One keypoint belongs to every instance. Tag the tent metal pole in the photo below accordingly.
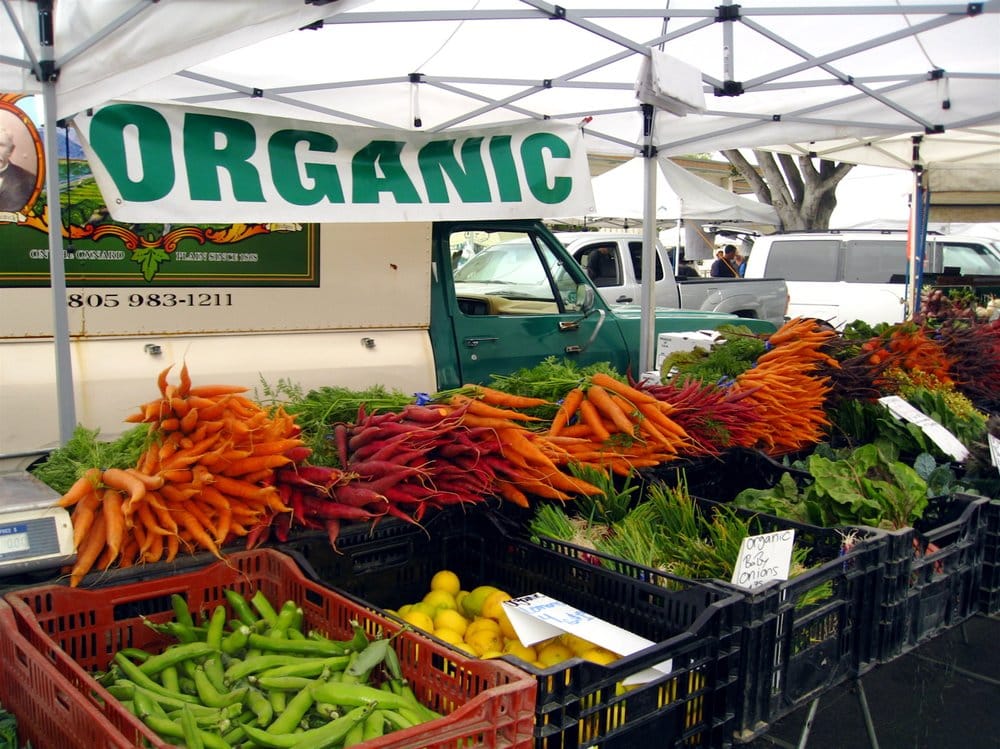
(647, 343)
(57, 268)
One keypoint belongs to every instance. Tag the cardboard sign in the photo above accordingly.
(764, 558)
(940, 436)
(537, 617)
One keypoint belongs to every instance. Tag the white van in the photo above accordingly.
(842, 276)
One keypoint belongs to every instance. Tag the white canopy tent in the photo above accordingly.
(775, 72)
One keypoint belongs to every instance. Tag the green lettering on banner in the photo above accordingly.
(285, 168)
(367, 184)
(505, 169)
(107, 138)
(438, 158)
(532, 155)
(205, 158)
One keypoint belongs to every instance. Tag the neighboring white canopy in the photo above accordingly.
(618, 199)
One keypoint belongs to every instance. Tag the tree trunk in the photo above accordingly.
(803, 195)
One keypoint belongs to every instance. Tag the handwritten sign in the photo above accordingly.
(537, 617)
(940, 436)
(764, 558)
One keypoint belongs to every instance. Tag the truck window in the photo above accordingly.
(803, 259)
(874, 260)
(970, 258)
(513, 274)
(635, 250)
(601, 262)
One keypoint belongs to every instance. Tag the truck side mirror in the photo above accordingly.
(585, 297)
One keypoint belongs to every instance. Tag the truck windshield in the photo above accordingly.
(522, 268)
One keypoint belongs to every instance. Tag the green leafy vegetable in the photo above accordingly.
(84, 450)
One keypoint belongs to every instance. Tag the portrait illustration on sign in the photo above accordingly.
(20, 172)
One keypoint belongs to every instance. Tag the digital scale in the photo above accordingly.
(34, 532)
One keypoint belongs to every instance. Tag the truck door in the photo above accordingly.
(516, 301)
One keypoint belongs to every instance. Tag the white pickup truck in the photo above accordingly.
(618, 277)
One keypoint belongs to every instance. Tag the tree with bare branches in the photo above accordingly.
(802, 192)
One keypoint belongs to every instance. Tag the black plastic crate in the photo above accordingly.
(795, 647)
(933, 574)
(989, 585)
(722, 478)
(579, 703)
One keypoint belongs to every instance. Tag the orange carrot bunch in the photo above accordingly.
(206, 477)
(909, 347)
(784, 386)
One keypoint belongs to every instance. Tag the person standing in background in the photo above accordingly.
(725, 266)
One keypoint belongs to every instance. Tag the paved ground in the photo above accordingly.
(943, 695)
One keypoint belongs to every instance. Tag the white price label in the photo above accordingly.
(764, 558)
(940, 436)
(994, 450)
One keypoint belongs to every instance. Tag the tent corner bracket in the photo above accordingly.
(727, 13)
(729, 88)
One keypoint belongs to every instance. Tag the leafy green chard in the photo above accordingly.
(866, 486)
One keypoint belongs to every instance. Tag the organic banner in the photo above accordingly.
(99, 250)
(153, 161)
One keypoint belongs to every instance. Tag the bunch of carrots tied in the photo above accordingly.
(467, 445)
(789, 388)
(205, 478)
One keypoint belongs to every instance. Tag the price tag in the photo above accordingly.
(994, 450)
(538, 617)
(764, 558)
(13, 538)
(940, 436)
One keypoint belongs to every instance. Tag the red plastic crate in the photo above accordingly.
(49, 711)
(485, 703)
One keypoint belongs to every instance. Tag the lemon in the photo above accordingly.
(472, 604)
(518, 650)
(448, 635)
(575, 643)
(492, 654)
(492, 608)
(458, 599)
(483, 641)
(440, 599)
(553, 653)
(505, 626)
(447, 581)
(599, 655)
(480, 624)
(451, 619)
(424, 608)
(404, 609)
(419, 619)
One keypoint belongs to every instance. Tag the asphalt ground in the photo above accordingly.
(944, 694)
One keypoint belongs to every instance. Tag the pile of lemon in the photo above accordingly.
(474, 621)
